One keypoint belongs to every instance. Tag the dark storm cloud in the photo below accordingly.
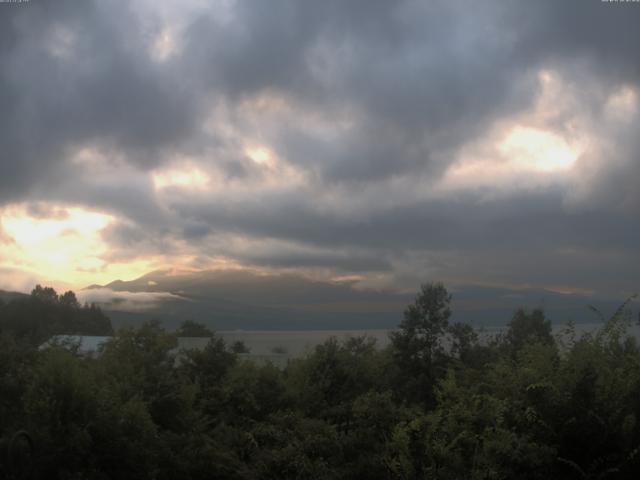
(287, 257)
(421, 77)
(74, 73)
(375, 92)
(524, 221)
(602, 33)
(416, 78)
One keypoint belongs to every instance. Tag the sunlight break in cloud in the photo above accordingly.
(61, 244)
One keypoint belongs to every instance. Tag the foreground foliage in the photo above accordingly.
(437, 403)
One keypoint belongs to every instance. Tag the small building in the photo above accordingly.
(83, 344)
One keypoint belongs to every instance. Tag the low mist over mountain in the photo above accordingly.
(245, 300)
(240, 299)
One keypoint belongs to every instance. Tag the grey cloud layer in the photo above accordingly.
(374, 92)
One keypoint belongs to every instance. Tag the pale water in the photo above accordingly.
(295, 342)
(298, 342)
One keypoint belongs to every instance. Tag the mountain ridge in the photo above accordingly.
(240, 299)
(7, 295)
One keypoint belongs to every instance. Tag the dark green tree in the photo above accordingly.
(240, 347)
(191, 328)
(69, 300)
(417, 345)
(528, 327)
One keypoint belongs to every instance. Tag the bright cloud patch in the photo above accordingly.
(541, 146)
(260, 155)
(183, 178)
(536, 149)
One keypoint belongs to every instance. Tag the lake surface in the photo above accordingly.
(295, 342)
(298, 342)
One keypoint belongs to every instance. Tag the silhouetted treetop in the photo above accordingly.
(44, 294)
(529, 327)
(190, 328)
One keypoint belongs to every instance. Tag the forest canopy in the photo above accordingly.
(438, 402)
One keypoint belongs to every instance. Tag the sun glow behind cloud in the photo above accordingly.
(514, 157)
(184, 178)
(164, 45)
(61, 245)
(538, 149)
(260, 155)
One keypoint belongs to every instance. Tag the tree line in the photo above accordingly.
(436, 403)
(44, 313)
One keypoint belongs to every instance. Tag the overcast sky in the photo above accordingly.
(389, 142)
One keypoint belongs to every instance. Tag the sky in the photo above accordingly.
(388, 143)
